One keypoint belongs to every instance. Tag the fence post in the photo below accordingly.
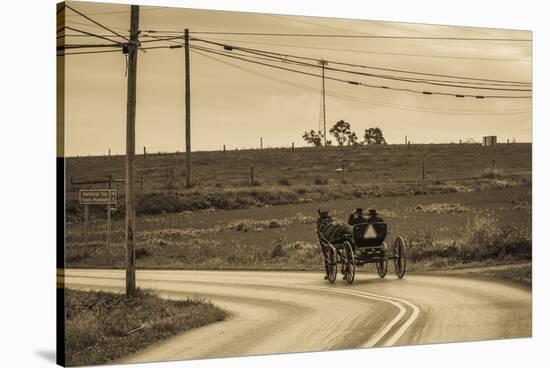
(409, 145)
(423, 170)
(292, 146)
(494, 164)
(224, 148)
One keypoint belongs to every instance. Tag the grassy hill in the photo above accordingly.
(222, 180)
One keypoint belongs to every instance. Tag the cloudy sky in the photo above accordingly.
(235, 102)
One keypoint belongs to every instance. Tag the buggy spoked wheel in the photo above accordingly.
(400, 261)
(382, 266)
(331, 266)
(348, 263)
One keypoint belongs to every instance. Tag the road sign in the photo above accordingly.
(97, 196)
(370, 233)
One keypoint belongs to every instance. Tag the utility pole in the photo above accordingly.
(323, 63)
(187, 109)
(133, 46)
(109, 213)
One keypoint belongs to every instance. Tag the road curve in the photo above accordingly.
(281, 312)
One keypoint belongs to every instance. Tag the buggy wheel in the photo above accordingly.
(382, 266)
(331, 266)
(348, 263)
(400, 261)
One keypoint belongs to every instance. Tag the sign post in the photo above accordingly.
(97, 197)
(86, 215)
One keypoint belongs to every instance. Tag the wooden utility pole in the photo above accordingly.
(109, 214)
(323, 63)
(133, 46)
(187, 109)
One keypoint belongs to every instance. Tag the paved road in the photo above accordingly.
(277, 312)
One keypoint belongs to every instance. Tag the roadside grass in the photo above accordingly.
(102, 327)
(519, 272)
(483, 238)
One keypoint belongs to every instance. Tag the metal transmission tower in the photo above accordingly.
(323, 113)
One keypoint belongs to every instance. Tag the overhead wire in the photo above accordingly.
(369, 102)
(367, 84)
(97, 23)
(381, 76)
(396, 78)
(360, 66)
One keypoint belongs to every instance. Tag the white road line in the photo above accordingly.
(397, 302)
(397, 335)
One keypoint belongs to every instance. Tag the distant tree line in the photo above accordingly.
(344, 136)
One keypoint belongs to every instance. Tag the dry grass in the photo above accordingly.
(99, 324)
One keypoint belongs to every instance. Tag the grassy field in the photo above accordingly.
(222, 180)
(463, 213)
(102, 327)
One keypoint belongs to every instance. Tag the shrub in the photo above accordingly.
(285, 182)
(492, 173)
(320, 181)
(278, 251)
(142, 252)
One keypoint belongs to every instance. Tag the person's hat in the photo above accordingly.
(372, 212)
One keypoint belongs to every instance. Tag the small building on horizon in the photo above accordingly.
(489, 140)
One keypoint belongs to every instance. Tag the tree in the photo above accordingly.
(342, 133)
(374, 136)
(313, 138)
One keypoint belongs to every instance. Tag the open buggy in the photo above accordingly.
(356, 245)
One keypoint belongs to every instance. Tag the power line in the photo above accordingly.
(88, 52)
(359, 36)
(355, 99)
(93, 35)
(67, 47)
(365, 84)
(389, 77)
(123, 11)
(376, 52)
(364, 66)
(97, 23)
(109, 51)
(396, 78)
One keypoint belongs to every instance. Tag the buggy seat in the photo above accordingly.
(369, 234)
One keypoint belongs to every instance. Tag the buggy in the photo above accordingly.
(360, 244)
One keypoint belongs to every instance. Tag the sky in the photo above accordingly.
(234, 102)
